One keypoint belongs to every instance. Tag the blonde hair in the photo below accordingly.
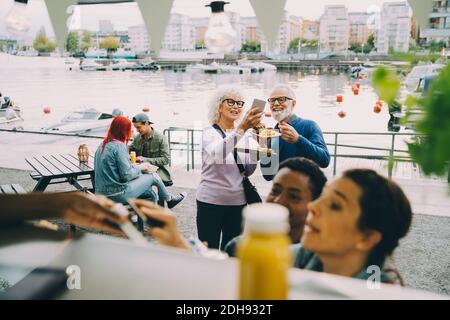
(215, 101)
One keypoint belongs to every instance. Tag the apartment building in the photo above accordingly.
(439, 27)
(334, 29)
(395, 28)
(105, 26)
(138, 40)
(310, 30)
(180, 33)
(359, 28)
(290, 28)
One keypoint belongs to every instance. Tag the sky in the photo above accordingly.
(125, 15)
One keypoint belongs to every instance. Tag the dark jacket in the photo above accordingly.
(304, 259)
(311, 145)
(156, 153)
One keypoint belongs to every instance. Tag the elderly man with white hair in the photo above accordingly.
(299, 137)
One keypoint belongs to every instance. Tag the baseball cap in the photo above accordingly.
(141, 117)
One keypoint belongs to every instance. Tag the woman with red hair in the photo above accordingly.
(117, 178)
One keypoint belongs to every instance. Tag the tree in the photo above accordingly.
(371, 41)
(42, 44)
(436, 46)
(305, 44)
(251, 47)
(200, 44)
(293, 44)
(86, 41)
(358, 48)
(111, 44)
(431, 151)
(366, 48)
(72, 42)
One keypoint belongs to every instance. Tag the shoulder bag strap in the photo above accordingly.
(235, 155)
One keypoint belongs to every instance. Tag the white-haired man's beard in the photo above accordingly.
(282, 114)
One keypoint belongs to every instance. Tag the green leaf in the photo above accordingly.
(433, 152)
(386, 84)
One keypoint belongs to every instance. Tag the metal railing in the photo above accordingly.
(190, 146)
(392, 151)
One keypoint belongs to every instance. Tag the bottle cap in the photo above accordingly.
(266, 218)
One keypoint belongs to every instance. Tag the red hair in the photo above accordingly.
(120, 129)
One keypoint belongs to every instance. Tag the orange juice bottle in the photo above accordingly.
(264, 253)
(133, 157)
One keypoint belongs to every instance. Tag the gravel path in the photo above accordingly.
(423, 257)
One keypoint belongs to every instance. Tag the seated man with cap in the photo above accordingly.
(151, 146)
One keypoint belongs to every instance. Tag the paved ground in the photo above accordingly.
(423, 257)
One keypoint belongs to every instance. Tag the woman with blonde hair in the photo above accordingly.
(220, 195)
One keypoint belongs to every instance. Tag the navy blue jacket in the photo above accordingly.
(311, 145)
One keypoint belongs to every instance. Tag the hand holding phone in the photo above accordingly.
(147, 220)
(259, 104)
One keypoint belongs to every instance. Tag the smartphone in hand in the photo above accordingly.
(147, 220)
(259, 104)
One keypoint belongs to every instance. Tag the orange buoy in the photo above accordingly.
(146, 109)
(46, 110)
(358, 85)
(339, 98)
(377, 108)
(356, 91)
(268, 114)
(342, 114)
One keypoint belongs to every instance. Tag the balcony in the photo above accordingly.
(435, 33)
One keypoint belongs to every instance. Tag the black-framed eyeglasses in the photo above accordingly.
(232, 102)
(279, 99)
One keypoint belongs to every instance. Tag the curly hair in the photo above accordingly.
(317, 179)
(216, 100)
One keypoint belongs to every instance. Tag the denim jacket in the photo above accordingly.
(113, 169)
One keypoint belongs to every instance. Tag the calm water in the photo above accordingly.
(179, 99)
(176, 99)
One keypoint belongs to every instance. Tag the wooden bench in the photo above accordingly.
(11, 188)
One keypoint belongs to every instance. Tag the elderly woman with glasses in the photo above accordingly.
(220, 195)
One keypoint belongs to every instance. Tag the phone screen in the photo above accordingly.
(259, 104)
(147, 220)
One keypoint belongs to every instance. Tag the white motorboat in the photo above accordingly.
(217, 68)
(257, 66)
(84, 121)
(234, 69)
(10, 119)
(146, 64)
(206, 68)
(413, 79)
(91, 65)
(122, 64)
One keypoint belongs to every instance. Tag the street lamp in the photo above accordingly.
(220, 36)
(17, 21)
